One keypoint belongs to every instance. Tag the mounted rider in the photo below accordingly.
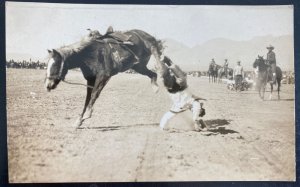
(225, 66)
(212, 65)
(271, 61)
(212, 61)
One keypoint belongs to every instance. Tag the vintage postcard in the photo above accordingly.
(131, 93)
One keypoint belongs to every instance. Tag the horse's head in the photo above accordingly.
(55, 70)
(259, 62)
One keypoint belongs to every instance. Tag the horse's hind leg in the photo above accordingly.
(264, 90)
(142, 69)
(278, 88)
(271, 95)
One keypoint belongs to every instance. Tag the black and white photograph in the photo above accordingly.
(149, 93)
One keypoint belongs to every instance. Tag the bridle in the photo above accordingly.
(62, 78)
(59, 76)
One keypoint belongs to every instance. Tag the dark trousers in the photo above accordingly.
(273, 67)
(273, 71)
(238, 81)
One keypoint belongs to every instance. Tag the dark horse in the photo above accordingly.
(97, 60)
(213, 72)
(264, 75)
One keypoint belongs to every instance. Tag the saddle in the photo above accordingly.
(117, 35)
(117, 41)
(120, 36)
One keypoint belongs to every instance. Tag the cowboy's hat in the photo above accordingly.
(270, 47)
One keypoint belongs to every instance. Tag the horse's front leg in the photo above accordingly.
(263, 90)
(271, 95)
(90, 86)
(100, 82)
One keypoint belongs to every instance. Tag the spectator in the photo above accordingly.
(238, 76)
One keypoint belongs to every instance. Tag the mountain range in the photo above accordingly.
(198, 57)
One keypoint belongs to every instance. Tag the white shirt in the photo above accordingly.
(238, 70)
(182, 100)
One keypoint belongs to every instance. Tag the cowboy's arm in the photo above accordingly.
(177, 71)
(180, 75)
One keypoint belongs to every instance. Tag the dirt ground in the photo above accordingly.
(251, 140)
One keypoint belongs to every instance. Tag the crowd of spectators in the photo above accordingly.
(25, 64)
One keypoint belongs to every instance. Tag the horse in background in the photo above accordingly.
(213, 72)
(224, 73)
(100, 58)
(264, 76)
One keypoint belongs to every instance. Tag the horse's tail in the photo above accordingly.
(278, 77)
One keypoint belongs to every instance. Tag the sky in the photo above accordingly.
(32, 28)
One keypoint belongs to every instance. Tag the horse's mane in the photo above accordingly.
(77, 47)
(260, 63)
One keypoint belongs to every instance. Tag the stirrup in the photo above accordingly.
(128, 43)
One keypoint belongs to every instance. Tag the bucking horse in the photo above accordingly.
(100, 57)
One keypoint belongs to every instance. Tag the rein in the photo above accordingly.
(68, 82)
(75, 83)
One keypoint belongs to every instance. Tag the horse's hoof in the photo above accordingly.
(155, 88)
(154, 85)
(87, 114)
(197, 127)
(78, 123)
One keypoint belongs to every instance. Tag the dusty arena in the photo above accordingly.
(248, 139)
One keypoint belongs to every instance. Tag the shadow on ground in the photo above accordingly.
(217, 122)
(215, 126)
(113, 128)
(222, 130)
